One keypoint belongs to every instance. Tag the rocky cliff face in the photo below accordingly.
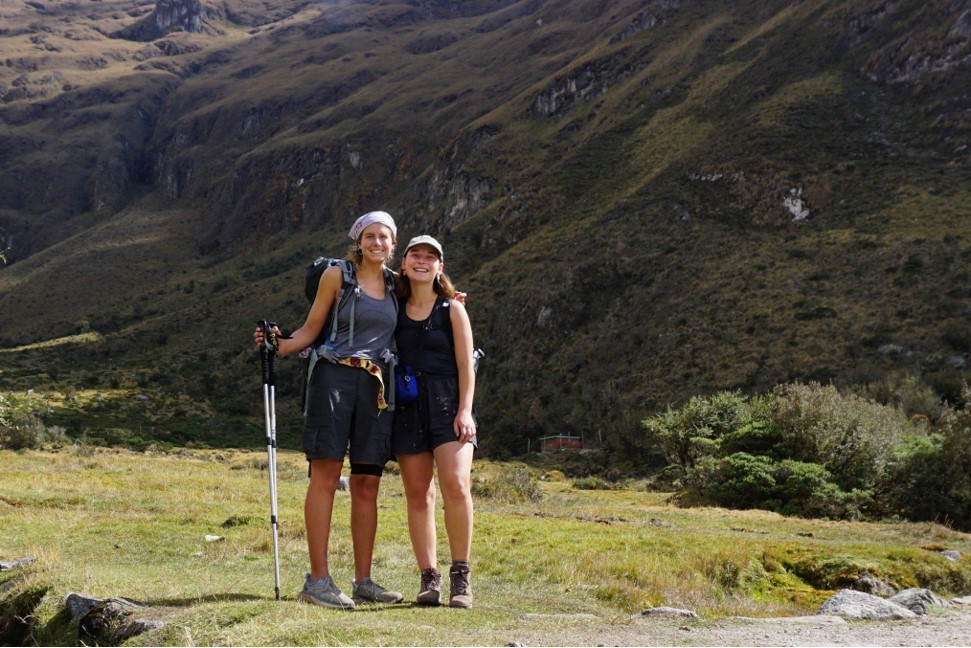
(168, 16)
(225, 127)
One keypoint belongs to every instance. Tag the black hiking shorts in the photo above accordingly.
(343, 416)
(427, 422)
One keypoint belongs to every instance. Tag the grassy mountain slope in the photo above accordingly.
(645, 200)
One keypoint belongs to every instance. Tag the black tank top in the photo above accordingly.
(427, 346)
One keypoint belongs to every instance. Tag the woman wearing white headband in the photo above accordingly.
(346, 408)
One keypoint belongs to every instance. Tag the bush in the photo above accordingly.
(28, 432)
(806, 489)
(802, 450)
(852, 437)
(930, 475)
(957, 335)
(739, 480)
(906, 391)
(596, 483)
(789, 487)
(685, 434)
(754, 437)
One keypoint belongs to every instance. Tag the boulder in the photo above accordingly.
(870, 584)
(917, 600)
(106, 621)
(859, 605)
(15, 563)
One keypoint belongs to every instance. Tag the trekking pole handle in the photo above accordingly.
(267, 352)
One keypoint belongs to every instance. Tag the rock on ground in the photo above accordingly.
(859, 605)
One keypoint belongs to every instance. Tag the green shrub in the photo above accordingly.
(790, 487)
(802, 450)
(948, 382)
(597, 483)
(509, 483)
(755, 437)
(685, 433)
(906, 391)
(930, 475)
(739, 480)
(852, 437)
(25, 431)
(957, 335)
(807, 490)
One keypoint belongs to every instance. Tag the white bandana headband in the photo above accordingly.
(371, 218)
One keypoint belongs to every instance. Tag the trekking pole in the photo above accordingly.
(268, 357)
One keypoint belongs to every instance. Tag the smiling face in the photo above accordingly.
(376, 244)
(421, 264)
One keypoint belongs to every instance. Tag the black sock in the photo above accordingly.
(460, 563)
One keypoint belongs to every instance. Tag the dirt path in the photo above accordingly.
(951, 627)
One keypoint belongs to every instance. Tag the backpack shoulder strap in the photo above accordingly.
(350, 277)
(441, 318)
(390, 286)
(477, 354)
(348, 286)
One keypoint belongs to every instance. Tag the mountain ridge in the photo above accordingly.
(710, 196)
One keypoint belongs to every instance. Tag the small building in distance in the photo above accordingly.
(560, 442)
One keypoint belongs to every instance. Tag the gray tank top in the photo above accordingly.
(374, 322)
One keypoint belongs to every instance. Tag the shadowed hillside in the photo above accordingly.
(645, 200)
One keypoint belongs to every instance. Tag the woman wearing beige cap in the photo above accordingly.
(437, 429)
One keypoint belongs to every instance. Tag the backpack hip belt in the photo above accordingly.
(326, 352)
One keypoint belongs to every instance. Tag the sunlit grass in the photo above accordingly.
(117, 523)
(824, 88)
(81, 338)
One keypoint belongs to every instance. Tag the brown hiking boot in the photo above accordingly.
(430, 591)
(461, 589)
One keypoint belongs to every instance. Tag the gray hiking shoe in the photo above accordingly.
(430, 592)
(461, 590)
(367, 591)
(323, 592)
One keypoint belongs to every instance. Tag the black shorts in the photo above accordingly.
(342, 414)
(427, 422)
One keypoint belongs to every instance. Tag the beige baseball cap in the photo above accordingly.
(425, 239)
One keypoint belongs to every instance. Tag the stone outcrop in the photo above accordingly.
(16, 563)
(640, 23)
(870, 584)
(168, 16)
(665, 611)
(916, 56)
(107, 621)
(584, 83)
(452, 192)
(859, 605)
(919, 600)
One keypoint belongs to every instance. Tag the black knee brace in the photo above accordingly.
(366, 469)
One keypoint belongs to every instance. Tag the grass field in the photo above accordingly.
(113, 523)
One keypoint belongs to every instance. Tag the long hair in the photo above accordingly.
(443, 286)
